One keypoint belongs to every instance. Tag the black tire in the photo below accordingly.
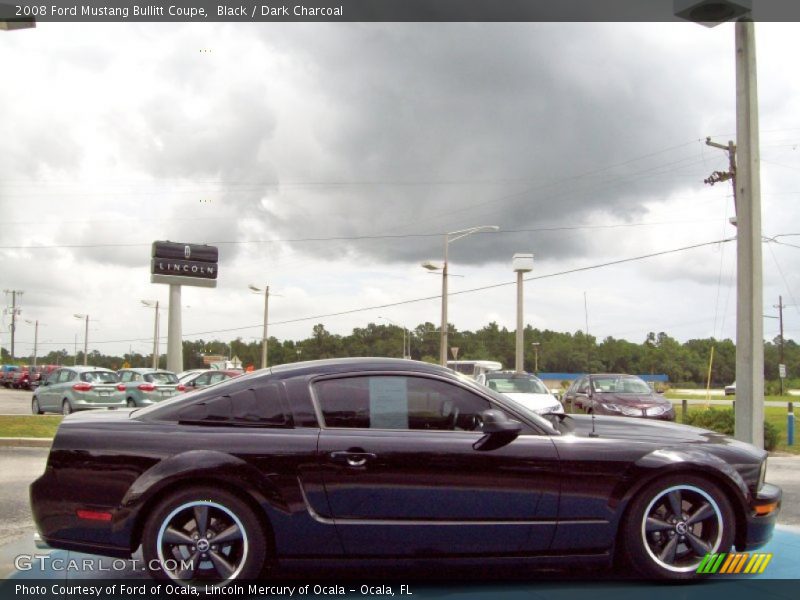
(658, 544)
(131, 403)
(35, 408)
(66, 408)
(174, 531)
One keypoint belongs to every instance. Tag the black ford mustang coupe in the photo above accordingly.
(387, 459)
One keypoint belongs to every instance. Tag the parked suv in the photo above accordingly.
(77, 388)
(143, 387)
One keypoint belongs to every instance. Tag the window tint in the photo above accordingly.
(583, 386)
(126, 376)
(398, 402)
(257, 407)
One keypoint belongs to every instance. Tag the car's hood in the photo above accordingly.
(646, 430)
(634, 400)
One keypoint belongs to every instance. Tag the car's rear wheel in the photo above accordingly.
(66, 408)
(35, 408)
(673, 523)
(203, 536)
(131, 403)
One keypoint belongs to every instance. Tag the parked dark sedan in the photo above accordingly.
(391, 459)
(618, 395)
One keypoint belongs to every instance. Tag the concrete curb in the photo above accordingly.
(26, 442)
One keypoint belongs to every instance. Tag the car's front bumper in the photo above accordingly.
(761, 518)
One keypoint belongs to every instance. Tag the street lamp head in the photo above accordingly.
(432, 266)
(522, 263)
(77, 316)
(711, 13)
(254, 288)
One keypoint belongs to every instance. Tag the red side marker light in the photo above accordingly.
(94, 515)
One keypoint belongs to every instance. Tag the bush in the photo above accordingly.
(722, 421)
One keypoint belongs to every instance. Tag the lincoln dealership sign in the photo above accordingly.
(184, 264)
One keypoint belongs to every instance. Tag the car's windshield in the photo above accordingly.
(517, 385)
(162, 377)
(620, 385)
(99, 377)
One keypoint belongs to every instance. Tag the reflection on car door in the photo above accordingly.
(400, 466)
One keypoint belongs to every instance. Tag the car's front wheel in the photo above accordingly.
(203, 535)
(673, 523)
(35, 408)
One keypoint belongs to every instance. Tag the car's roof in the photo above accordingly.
(139, 369)
(82, 368)
(339, 365)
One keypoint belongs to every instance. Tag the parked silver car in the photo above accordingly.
(77, 388)
(143, 387)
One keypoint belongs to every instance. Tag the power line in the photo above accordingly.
(364, 237)
(427, 298)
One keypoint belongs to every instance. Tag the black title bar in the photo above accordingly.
(374, 10)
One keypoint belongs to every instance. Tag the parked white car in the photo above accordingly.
(524, 388)
(730, 390)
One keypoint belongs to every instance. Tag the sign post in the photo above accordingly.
(179, 264)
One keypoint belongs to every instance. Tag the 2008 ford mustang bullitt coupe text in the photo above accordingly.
(383, 459)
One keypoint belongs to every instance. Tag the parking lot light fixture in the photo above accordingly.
(85, 337)
(433, 266)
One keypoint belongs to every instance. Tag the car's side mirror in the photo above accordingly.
(496, 421)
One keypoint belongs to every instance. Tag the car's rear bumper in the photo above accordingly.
(761, 518)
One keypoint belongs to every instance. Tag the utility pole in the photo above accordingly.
(749, 280)
(781, 365)
(13, 326)
(730, 174)
(266, 322)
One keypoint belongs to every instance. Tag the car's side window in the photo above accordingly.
(202, 380)
(398, 402)
(257, 407)
(583, 386)
(65, 376)
(127, 376)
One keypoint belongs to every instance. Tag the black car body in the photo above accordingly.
(388, 459)
(617, 395)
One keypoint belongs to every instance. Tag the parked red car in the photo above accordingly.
(27, 378)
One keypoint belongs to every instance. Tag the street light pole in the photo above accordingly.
(405, 336)
(264, 338)
(35, 338)
(156, 326)
(85, 338)
(535, 357)
(522, 263)
(451, 237)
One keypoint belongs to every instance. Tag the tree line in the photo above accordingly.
(685, 363)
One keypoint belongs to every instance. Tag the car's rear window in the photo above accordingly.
(162, 378)
(99, 377)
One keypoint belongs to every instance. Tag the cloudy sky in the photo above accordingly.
(327, 160)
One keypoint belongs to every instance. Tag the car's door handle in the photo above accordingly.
(353, 459)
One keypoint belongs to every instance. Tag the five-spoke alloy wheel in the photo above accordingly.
(673, 524)
(203, 536)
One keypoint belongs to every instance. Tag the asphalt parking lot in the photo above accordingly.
(21, 465)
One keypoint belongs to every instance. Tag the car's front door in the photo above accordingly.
(405, 474)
